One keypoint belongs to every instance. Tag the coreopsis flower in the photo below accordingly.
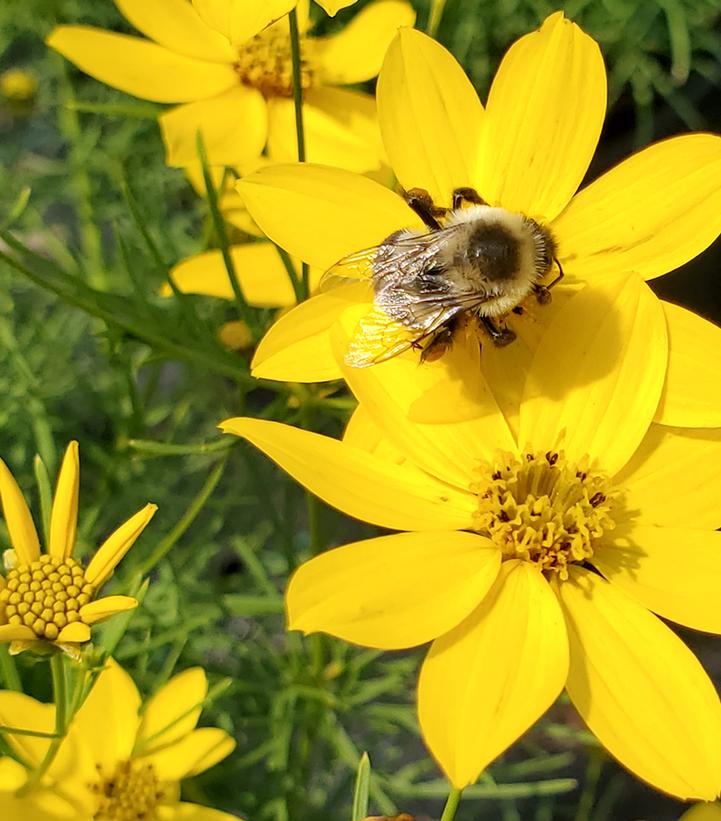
(526, 152)
(532, 559)
(123, 759)
(229, 64)
(51, 599)
(702, 812)
(42, 805)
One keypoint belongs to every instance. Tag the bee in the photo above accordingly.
(476, 266)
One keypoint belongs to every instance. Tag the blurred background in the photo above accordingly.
(82, 182)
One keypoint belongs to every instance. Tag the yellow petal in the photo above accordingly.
(483, 684)
(75, 633)
(430, 116)
(598, 373)
(691, 396)
(355, 482)
(117, 545)
(239, 20)
(450, 451)
(543, 119)
(640, 689)
(64, 514)
(196, 752)
(176, 25)
(234, 126)
(322, 214)
(184, 811)
(332, 7)
(259, 267)
(108, 720)
(674, 571)
(16, 632)
(174, 710)
(673, 479)
(650, 214)
(139, 67)
(104, 608)
(25, 713)
(702, 812)
(355, 54)
(341, 129)
(297, 348)
(395, 591)
(19, 522)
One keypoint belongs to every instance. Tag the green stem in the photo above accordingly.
(434, 18)
(60, 697)
(299, 128)
(454, 799)
(221, 234)
(69, 125)
(9, 671)
(186, 521)
(292, 275)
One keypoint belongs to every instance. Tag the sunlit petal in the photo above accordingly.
(19, 522)
(139, 67)
(692, 393)
(290, 202)
(451, 451)
(674, 571)
(117, 545)
(640, 689)
(239, 20)
(430, 116)
(64, 514)
(355, 53)
(598, 373)
(483, 684)
(674, 479)
(352, 480)
(101, 609)
(174, 710)
(25, 713)
(176, 25)
(395, 591)
(193, 754)
(543, 120)
(650, 214)
(234, 127)
(341, 129)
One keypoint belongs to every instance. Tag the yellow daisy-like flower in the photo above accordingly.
(526, 151)
(533, 560)
(229, 63)
(51, 598)
(123, 760)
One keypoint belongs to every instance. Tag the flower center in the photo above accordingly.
(46, 595)
(130, 793)
(264, 62)
(542, 509)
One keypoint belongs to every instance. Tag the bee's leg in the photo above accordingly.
(542, 292)
(518, 310)
(467, 194)
(419, 200)
(559, 277)
(439, 344)
(500, 336)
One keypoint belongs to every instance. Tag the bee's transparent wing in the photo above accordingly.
(378, 337)
(397, 258)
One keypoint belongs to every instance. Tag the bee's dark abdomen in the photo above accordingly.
(495, 251)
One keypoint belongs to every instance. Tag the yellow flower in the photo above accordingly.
(526, 151)
(18, 86)
(51, 598)
(228, 62)
(535, 559)
(122, 758)
(42, 805)
(702, 812)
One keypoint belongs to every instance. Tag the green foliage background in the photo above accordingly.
(88, 350)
